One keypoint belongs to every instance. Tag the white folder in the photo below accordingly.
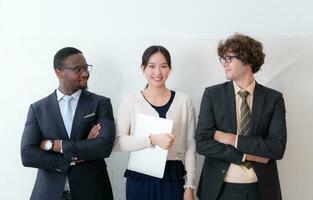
(150, 161)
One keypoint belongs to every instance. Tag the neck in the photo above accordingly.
(157, 96)
(156, 92)
(244, 83)
(66, 91)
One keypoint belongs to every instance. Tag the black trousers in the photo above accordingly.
(239, 191)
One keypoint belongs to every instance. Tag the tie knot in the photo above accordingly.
(243, 94)
(68, 98)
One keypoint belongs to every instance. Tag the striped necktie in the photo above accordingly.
(245, 120)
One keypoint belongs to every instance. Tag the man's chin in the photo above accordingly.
(229, 77)
(83, 87)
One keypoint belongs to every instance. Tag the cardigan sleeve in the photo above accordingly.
(190, 153)
(124, 140)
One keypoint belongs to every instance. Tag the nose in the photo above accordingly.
(158, 70)
(85, 73)
(224, 63)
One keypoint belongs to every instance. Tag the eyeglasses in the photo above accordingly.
(79, 70)
(228, 59)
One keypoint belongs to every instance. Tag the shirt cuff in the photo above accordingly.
(244, 157)
(189, 187)
(61, 148)
(236, 141)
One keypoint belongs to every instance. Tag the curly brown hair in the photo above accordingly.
(249, 50)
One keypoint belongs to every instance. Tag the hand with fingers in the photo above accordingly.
(258, 159)
(225, 138)
(94, 131)
(188, 194)
(164, 140)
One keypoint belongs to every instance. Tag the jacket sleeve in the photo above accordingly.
(32, 155)
(273, 146)
(99, 147)
(205, 143)
(124, 140)
(190, 153)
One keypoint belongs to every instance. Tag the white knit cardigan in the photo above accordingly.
(182, 113)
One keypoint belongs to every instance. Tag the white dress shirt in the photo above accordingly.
(61, 103)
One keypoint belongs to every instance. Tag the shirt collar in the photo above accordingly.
(250, 88)
(76, 95)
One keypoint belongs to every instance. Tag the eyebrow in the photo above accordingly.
(80, 66)
(155, 63)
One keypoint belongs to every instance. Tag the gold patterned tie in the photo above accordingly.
(245, 120)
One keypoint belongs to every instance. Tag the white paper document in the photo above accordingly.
(150, 161)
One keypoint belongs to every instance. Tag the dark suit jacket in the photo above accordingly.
(267, 139)
(89, 179)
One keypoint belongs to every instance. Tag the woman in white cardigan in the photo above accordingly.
(157, 100)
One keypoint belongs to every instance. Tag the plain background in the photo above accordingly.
(113, 36)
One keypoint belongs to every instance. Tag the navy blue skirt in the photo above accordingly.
(170, 187)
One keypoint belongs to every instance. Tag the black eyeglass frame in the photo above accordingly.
(79, 70)
(228, 59)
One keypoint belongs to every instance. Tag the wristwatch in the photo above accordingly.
(48, 145)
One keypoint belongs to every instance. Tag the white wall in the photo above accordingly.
(113, 35)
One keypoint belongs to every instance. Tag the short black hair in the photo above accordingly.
(62, 54)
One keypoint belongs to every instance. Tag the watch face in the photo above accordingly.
(48, 145)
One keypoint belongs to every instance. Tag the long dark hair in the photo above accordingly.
(152, 50)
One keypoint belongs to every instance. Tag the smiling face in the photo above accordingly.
(236, 70)
(157, 70)
(70, 78)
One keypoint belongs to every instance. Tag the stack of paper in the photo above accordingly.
(150, 161)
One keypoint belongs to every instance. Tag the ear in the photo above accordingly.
(142, 68)
(59, 73)
(250, 67)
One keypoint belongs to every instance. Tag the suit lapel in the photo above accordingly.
(231, 105)
(56, 114)
(81, 108)
(257, 106)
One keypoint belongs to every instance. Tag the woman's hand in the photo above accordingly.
(94, 131)
(188, 194)
(164, 141)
